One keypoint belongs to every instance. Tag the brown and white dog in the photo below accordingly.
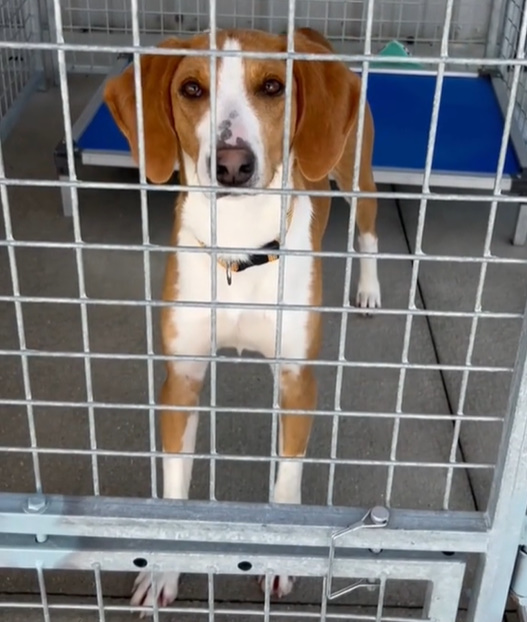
(250, 108)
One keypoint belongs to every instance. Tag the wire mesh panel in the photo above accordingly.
(20, 68)
(417, 451)
(508, 44)
(416, 23)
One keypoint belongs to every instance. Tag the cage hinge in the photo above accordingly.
(60, 156)
(375, 518)
(37, 504)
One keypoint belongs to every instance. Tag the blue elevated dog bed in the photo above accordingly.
(469, 132)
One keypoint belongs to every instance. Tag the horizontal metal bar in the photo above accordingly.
(381, 176)
(441, 179)
(182, 607)
(106, 185)
(474, 61)
(114, 302)
(224, 358)
(296, 361)
(244, 458)
(153, 248)
(246, 410)
(258, 524)
(117, 555)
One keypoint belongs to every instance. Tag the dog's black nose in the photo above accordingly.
(234, 165)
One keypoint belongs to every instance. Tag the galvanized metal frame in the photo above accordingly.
(44, 532)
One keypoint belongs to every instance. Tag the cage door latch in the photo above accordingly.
(375, 518)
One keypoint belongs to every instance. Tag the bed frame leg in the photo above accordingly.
(65, 195)
(520, 232)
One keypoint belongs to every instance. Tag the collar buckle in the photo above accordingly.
(228, 272)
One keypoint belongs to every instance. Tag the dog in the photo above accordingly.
(250, 109)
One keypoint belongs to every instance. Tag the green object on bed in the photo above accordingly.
(395, 48)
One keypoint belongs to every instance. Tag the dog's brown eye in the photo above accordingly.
(192, 89)
(273, 87)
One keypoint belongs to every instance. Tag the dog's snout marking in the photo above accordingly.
(225, 130)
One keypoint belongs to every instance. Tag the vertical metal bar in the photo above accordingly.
(380, 600)
(213, 63)
(324, 600)
(349, 260)
(418, 245)
(486, 254)
(267, 595)
(443, 594)
(43, 593)
(508, 497)
(145, 236)
(98, 592)
(90, 31)
(107, 17)
(211, 596)
(155, 590)
(37, 57)
(495, 28)
(72, 176)
(284, 206)
(19, 316)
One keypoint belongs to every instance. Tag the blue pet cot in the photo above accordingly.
(469, 133)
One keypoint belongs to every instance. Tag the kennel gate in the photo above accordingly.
(99, 534)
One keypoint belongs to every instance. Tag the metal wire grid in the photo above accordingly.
(416, 23)
(148, 303)
(509, 41)
(378, 610)
(17, 66)
(87, 355)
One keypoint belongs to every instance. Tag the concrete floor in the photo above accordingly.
(114, 218)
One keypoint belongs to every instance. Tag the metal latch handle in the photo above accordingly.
(375, 518)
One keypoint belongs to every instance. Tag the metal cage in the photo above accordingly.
(21, 69)
(415, 491)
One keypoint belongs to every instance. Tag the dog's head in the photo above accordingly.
(250, 109)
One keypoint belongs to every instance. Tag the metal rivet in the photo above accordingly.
(379, 515)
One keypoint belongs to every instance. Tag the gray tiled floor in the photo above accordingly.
(113, 217)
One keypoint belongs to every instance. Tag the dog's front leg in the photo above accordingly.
(298, 392)
(178, 430)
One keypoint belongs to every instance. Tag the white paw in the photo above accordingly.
(143, 591)
(369, 294)
(280, 585)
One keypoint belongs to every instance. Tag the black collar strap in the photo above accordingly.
(257, 259)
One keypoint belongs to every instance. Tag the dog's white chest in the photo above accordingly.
(239, 322)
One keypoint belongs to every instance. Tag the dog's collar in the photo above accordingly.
(257, 259)
(253, 260)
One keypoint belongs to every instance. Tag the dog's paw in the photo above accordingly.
(280, 585)
(368, 294)
(143, 590)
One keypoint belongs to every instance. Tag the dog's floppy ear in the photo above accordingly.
(327, 104)
(161, 144)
